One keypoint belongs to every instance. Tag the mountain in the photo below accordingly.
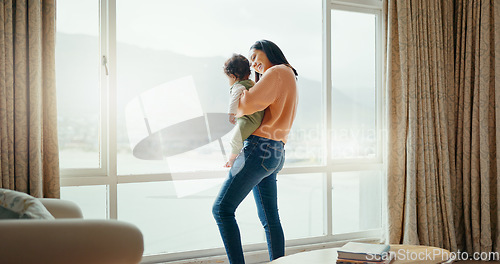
(140, 69)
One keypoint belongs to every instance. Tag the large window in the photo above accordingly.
(78, 82)
(356, 119)
(143, 129)
(354, 85)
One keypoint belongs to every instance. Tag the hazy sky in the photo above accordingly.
(221, 27)
(208, 28)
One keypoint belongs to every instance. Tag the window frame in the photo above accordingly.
(107, 173)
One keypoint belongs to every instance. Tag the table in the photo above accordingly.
(403, 254)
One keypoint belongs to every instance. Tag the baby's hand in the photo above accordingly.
(229, 164)
(232, 119)
(231, 160)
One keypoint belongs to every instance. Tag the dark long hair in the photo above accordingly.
(273, 53)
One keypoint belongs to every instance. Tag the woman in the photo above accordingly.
(263, 154)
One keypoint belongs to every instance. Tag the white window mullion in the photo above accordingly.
(360, 3)
(380, 90)
(104, 86)
(111, 108)
(327, 88)
(381, 38)
(84, 181)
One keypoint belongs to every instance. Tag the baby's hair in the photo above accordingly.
(237, 65)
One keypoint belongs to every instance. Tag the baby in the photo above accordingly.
(237, 69)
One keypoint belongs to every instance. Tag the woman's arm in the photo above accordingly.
(261, 95)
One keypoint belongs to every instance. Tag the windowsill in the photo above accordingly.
(255, 256)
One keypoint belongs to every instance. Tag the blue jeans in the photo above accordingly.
(254, 169)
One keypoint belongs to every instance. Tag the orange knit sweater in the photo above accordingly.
(276, 92)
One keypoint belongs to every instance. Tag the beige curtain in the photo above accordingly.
(443, 86)
(420, 69)
(29, 160)
(477, 124)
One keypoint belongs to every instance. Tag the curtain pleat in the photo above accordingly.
(496, 180)
(397, 124)
(50, 152)
(4, 164)
(457, 109)
(35, 99)
(7, 93)
(21, 129)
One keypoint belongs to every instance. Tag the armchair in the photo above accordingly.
(69, 239)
